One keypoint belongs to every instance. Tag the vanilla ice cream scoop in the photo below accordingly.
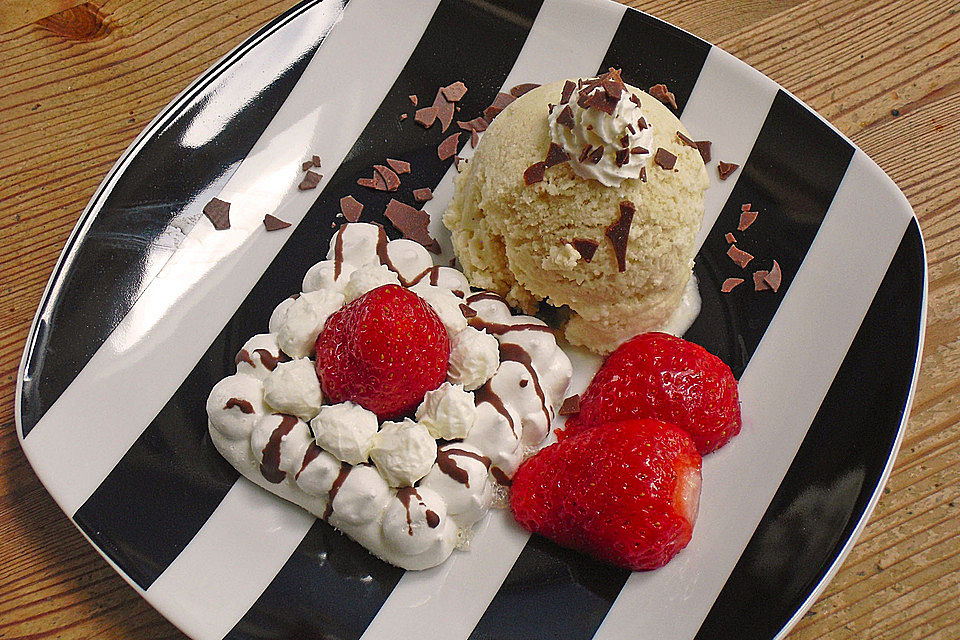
(567, 238)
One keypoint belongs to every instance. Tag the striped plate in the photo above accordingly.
(148, 305)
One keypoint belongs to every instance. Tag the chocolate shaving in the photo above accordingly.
(273, 223)
(423, 195)
(351, 208)
(399, 166)
(310, 181)
(403, 117)
(426, 116)
(660, 92)
(623, 157)
(555, 155)
(565, 117)
(316, 161)
(453, 92)
(642, 123)
(724, 169)
(474, 139)
(585, 152)
(534, 173)
(730, 238)
(687, 141)
(567, 91)
(742, 258)
(448, 148)
(570, 405)
(665, 159)
(445, 110)
(468, 311)
(774, 277)
(412, 223)
(635, 99)
(612, 83)
(306, 165)
(619, 233)
(499, 104)
(390, 179)
(746, 219)
(477, 124)
(745, 207)
(218, 212)
(703, 146)
(370, 183)
(729, 284)
(625, 140)
(585, 247)
(413, 99)
(759, 280)
(596, 155)
(631, 129)
(643, 174)
(240, 403)
(639, 149)
(521, 89)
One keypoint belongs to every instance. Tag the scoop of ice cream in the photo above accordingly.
(474, 357)
(403, 452)
(520, 240)
(235, 404)
(303, 321)
(447, 412)
(346, 430)
(293, 387)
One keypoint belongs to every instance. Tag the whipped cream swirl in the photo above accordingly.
(600, 127)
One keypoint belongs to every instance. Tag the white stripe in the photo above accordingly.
(730, 119)
(567, 40)
(169, 328)
(230, 561)
(780, 392)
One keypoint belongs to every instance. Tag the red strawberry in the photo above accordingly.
(383, 351)
(656, 375)
(624, 492)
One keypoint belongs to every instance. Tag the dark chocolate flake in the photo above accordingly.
(467, 310)
(774, 277)
(499, 104)
(747, 218)
(422, 195)
(570, 405)
(619, 233)
(273, 223)
(643, 174)
(585, 247)
(521, 89)
(759, 280)
(660, 92)
(685, 140)
(725, 169)
(555, 155)
(596, 155)
(445, 110)
(412, 223)
(448, 148)
(413, 99)
(585, 152)
(316, 161)
(454, 92)
(623, 157)
(306, 165)
(565, 117)
(742, 258)
(730, 284)
(665, 159)
(351, 208)
(639, 149)
(391, 180)
(567, 91)
(534, 173)
(310, 181)
(641, 123)
(703, 146)
(474, 139)
(399, 166)
(218, 211)
(426, 116)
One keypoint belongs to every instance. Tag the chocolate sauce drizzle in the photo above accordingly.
(345, 469)
(269, 360)
(244, 356)
(338, 253)
(244, 405)
(516, 353)
(500, 476)
(497, 329)
(270, 467)
(486, 295)
(404, 495)
(448, 464)
(486, 394)
(311, 454)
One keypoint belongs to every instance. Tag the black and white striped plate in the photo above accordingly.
(148, 305)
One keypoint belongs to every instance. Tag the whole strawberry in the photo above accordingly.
(656, 375)
(624, 492)
(383, 351)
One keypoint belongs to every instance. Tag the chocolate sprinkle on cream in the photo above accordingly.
(426, 116)
(635, 100)
(774, 277)
(665, 159)
(423, 195)
(351, 208)
(218, 211)
(641, 123)
(399, 166)
(724, 169)
(585, 247)
(730, 238)
(746, 219)
(565, 117)
(639, 150)
(570, 405)
(567, 91)
(555, 155)
(643, 174)
(660, 92)
(585, 152)
(448, 148)
(703, 146)
(623, 157)
(596, 155)
(453, 92)
(310, 181)
(619, 233)
(760, 280)
(742, 258)
(468, 311)
(521, 89)
(412, 223)
(534, 173)
(685, 140)
(730, 284)
(273, 223)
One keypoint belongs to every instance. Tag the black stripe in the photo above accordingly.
(171, 480)
(834, 474)
(791, 176)
(124, 248)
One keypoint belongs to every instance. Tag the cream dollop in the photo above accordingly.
(403, 452)
(595, 127)
(448, 411)
(346, 430)
(293, 388)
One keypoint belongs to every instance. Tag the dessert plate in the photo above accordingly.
(148, 305)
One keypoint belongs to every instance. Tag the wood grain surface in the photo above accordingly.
(80, 80)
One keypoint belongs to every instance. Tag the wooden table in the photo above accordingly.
(79, 81)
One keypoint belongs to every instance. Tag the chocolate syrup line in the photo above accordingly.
(486, 295)
(269, 360)
(309, 456)
(270, 467)
(486, 394)
(497, 329)
(345, 469)
(244, 356)
(338, 253)
(448, 464)
(404, 494)
(243, 405)
(516, 353)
